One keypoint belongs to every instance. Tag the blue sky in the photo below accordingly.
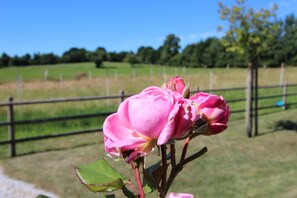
(44, 26)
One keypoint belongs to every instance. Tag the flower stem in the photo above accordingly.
(172, 155)
(180, 166)
(184, 152)
(139, 184)
(164, 164)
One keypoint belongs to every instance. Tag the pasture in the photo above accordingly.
(234, 166)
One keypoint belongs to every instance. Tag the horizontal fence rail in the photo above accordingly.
(11, 122)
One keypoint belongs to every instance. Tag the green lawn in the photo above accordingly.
(234, 166)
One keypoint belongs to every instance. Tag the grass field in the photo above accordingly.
(109, 80)
(119, 76)
(234, 166)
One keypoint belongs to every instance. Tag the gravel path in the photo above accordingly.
(12, 188)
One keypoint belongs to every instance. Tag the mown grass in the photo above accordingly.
(234, 166)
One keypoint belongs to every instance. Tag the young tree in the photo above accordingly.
(249, 32)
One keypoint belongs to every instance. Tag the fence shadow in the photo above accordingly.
(54, 149)
(281, 125)
(285, 125)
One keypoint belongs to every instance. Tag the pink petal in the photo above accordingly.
(180, 195)
(149, 117)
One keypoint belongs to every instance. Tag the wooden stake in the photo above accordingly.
(281, 77)
(210, 81)
(248, 108)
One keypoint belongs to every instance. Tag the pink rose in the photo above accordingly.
(152, 117)
(176, 84)
(180, 195)
(214, 110)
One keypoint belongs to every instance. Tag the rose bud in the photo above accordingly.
(214, 110)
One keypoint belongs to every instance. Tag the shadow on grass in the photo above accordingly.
(286, 125)
(281, 125)
(55, 149)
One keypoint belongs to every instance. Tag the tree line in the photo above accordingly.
(206, 53)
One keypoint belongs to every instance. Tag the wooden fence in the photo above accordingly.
(11, 104)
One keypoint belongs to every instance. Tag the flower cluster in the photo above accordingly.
(161, 115)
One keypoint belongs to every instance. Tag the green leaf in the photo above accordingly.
(153, 175)
(42, 196)
(99, 176)
(149, 182)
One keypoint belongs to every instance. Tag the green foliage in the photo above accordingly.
(99, 176)
(74, 55)
(170, 48)
(146, 55)
(131, 58)
(249, 30)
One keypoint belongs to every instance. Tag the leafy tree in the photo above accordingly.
(75, 55)
(186, 55)
(289, 40)
(131, 58)
(196, 58)
(170, 48)
(98, 62)
(146, 55)
(249, 32)
(98, 56)
(5, 59)
(175, 60)
(212, 50)
(101, 53)
(117, 57)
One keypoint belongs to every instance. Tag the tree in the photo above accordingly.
(170, 48)
(131, 58)
(75, 55)
(5, 59)
(187, 54)
(98, 56)
(249, 32)
(98, 62)
(146, 55)
(289, 40)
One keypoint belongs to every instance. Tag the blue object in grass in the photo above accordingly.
(279, 103)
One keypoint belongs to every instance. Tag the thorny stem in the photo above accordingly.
(184, 152)
(139, 184)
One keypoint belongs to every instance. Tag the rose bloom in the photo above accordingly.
(214, 110)
(180, 195)
(154, 116)
(176, 84)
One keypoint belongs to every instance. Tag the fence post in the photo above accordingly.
(285, 91)
(281, 78)
(11, 130)
(248, 108)
(122, 94)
